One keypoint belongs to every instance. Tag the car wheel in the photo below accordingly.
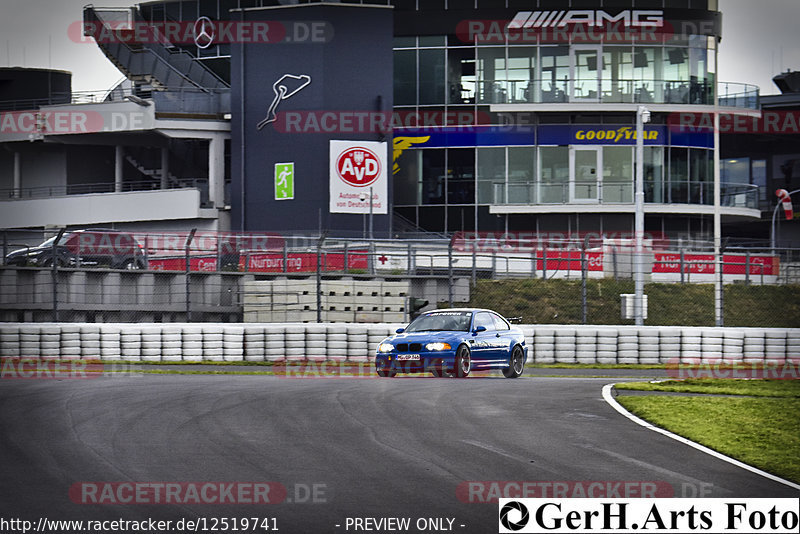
(516, 364)
(463, 362)
(131, 265)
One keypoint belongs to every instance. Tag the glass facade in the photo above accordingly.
(550, 120)
(674, 71)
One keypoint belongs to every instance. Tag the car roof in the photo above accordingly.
(439, 310)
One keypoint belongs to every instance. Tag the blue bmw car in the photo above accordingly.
(453, 342)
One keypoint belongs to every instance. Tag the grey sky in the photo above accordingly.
(760, 39)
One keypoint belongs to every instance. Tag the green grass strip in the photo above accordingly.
(762, 432)
(753, 388)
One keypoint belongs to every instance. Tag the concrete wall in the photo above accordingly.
(99, 209)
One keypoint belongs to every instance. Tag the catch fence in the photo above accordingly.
(104, 276)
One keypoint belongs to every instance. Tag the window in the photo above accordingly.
(500, 323)
(491, 175)
(521, 172)
(654, 174)
(405, 77)
(483, 319)
(617, 174)
(432, 181)
(491, 72)
(521, 73)
(553, 174)
(678, 175)
(701, 182)
(461, 176)
(432, 66)
(555, 73)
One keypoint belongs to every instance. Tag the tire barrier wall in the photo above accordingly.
(168, 342)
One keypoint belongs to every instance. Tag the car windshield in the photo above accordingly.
(49, 242)
(441, 321)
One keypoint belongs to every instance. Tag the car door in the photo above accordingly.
(482, 343)
(504, 337)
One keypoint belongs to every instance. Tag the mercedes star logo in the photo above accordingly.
(204, 32)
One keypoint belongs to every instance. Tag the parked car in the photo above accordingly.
(453, 342)
(84, 248)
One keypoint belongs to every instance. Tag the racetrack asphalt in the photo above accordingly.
(402, 447)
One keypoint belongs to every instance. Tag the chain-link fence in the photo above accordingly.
(105, 276)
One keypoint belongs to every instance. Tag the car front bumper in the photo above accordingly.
(428, 361)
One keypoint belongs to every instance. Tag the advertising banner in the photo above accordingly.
(356, 169)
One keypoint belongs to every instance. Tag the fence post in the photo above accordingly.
(5, 247)
(410, 260)
(147, 252)
(584, 274)
(747, 268)
(319, 276)
(450, 273)
(54, 273)
(544, 263)
(614, 262)
(721, 321)
(682, 267)
(187, 274)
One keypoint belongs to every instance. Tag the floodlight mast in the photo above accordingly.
(642, 117)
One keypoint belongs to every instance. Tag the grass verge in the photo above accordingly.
(753, 388)
(762, 429)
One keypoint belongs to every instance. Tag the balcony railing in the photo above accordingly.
(577, 192)
(28, 193)
(612, 91)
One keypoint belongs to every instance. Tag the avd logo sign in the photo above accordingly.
(358, 167)
(358, 177)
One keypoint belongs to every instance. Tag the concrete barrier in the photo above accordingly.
(256, 342)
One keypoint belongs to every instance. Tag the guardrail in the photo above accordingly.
(294, 342)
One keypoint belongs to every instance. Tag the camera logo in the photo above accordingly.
(520, 509)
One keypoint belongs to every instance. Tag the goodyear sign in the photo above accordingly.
(624, 133)
(584, 134)
(545, 134)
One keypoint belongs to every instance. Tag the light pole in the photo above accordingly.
(642, 117)
(772, 226)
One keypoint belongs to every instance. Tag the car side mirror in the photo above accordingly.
(400, 330)
(479, 329)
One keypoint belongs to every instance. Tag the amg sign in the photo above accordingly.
(591, 17)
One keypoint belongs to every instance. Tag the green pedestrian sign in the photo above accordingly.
(284, 181)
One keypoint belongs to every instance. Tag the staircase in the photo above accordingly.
(153, 63)
(154, 174)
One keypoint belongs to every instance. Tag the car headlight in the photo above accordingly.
(438, 346)
(385, 347)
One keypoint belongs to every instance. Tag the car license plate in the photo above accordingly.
(403, 357)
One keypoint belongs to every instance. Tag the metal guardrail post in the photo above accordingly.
(187, 274)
